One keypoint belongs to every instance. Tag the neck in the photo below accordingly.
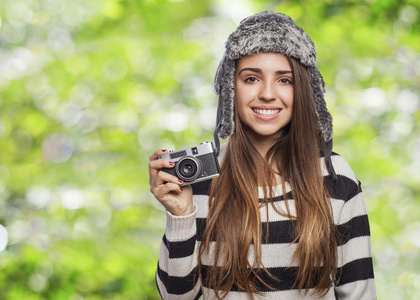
(262, 143)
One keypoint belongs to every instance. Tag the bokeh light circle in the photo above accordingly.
(57, 147)
(4, 238)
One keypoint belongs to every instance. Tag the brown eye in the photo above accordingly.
(286, 81)
(251, 79)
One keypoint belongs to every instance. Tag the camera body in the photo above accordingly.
(193, 164)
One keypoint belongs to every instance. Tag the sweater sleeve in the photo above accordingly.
(175, 276)
(355, 278)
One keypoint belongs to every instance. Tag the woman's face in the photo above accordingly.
(264, 93)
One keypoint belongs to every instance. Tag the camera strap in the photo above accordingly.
(218, 126)
(216, 141)
(328, 162)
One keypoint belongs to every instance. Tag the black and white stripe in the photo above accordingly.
(176, 275)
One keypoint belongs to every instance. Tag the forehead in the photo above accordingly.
(264, 61)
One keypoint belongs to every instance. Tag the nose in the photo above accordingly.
(267, 92)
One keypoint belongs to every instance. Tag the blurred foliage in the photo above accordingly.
(89, 89)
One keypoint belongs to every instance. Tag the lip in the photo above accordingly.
(266, 118)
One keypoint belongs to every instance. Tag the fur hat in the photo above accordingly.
(268, 32)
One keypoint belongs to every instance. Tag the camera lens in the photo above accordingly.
(188, 169)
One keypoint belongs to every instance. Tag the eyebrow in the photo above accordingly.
(257, 70)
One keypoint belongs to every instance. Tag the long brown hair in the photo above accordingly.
(234, 220)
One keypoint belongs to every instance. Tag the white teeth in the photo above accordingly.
(267, 112)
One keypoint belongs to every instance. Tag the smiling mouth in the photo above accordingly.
(266, 112)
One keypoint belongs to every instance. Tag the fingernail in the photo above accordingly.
(164, 150)
(181, 189)
(180, 181)
(171, 163)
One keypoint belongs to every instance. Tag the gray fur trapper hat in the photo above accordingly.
(269, 32)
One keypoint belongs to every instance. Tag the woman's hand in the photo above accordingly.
(167, 188)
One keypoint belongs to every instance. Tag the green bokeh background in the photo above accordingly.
(89, 89)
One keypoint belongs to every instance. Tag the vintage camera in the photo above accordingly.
(193, 164)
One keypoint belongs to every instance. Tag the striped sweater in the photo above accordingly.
(175, 276)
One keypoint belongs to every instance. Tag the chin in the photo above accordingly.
(268, 134)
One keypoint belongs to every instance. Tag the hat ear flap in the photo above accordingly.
(318, 90)
(224, 86)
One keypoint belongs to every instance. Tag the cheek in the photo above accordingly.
(288, 98)
(240, 107)
(242, 99)
(292, 100)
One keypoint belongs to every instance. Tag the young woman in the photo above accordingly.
(286, 219)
